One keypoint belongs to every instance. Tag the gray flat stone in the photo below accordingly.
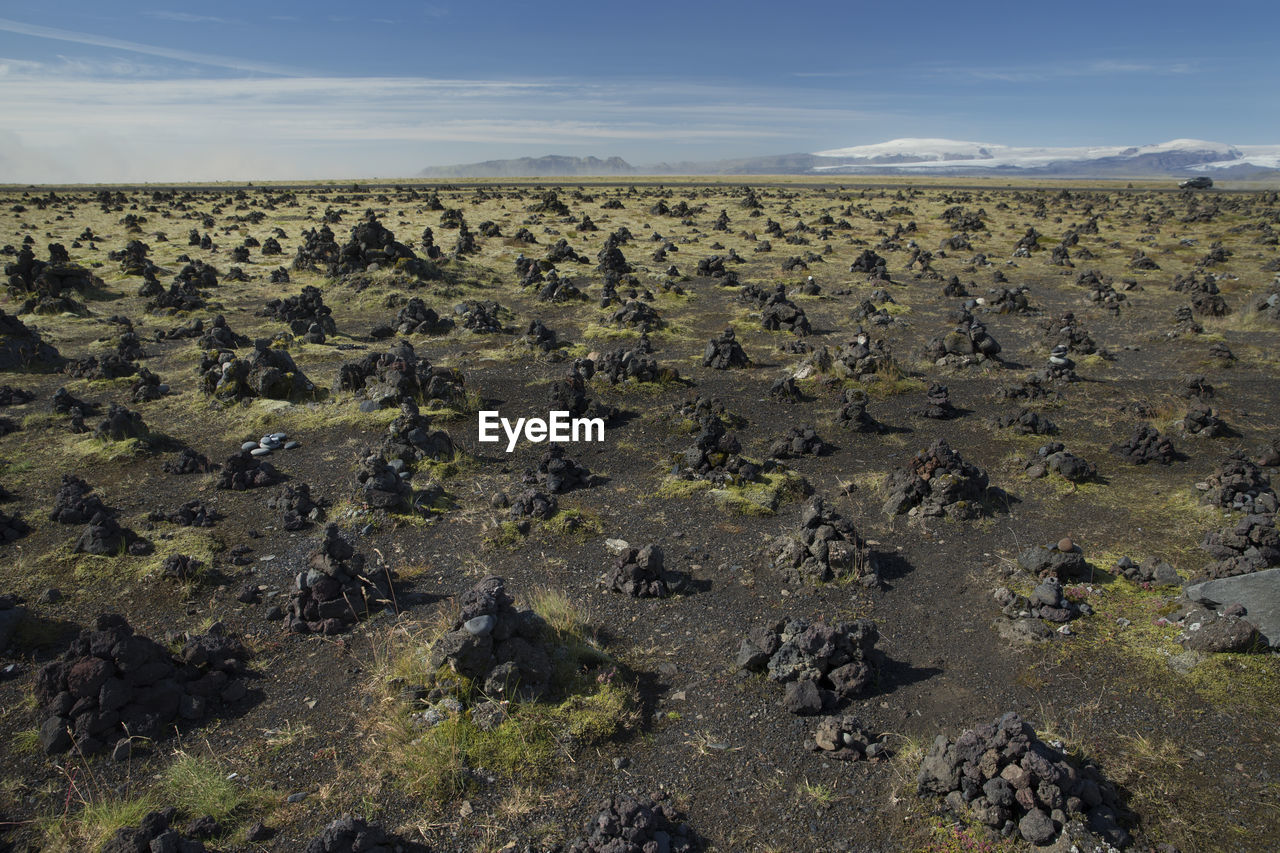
(480, 626)
(1258, 592)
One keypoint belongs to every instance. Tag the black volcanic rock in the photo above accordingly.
(399, 375)
(826, 547)
(630, 824)
(113, 683)
(336, 589)
(1145, 445)
(724, 352)
(1004, 777)
(20, 347)
(939, 482)
(823, 666)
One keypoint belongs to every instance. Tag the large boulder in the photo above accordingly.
(1257, 595)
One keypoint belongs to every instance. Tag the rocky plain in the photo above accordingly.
(925, 517)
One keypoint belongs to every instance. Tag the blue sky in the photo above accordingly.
(95, 91)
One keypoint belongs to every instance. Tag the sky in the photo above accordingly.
(161, 91)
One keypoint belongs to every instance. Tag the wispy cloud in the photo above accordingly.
(193, 57)
(823, 74)
(1112, 66)
(81, 68)
(186, 17)
(1041, 73)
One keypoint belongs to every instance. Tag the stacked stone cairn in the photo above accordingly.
(842, 737)
(724, 352)
(853, 412)
(821, 665)
(415, 318)
(825, 548)
(797, 442)
(297, 509)
(937, 404)
(351, 834)
(305, 314)
(390, 378)
(500, 649)
(243, 470)
(1004, 777)
(638, 572)
(1249, 545)
(629, 824)
(558, 473)
(937, 482)
(1026, 422)
(156, 832)
(1240, 485)
(1146, 444)
(1055, 458)
(335, 590)
(113, 684)
(714, 457)
(411, 439)
(269, 372)
(780, 314)
(570, 394)
(969, 343)
(1203, 421)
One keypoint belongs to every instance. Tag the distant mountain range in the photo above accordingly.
(552, 165)
(1176, 158)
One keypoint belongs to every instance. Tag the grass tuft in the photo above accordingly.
(588, 704)
(199, 786)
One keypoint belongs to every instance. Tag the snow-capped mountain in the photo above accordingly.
(950, 156)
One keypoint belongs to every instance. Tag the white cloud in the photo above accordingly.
(130, 129)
